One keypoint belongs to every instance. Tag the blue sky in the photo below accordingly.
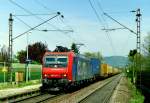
(79, 16)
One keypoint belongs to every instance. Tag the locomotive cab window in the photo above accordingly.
(50, 59)
(56, 61)
(62, 60)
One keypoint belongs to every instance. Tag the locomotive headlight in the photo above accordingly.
(64, 75)
(45, 75)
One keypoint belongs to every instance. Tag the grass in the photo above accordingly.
(136, 96)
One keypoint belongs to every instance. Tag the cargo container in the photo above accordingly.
(115, 71)
(81, 69)
(104, 70)
(110, 70)
(96, 69)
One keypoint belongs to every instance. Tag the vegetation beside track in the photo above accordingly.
(136, 96)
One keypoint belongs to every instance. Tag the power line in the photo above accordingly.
(120, 23)
(106, 24)
(99, 19)
(41, 4)
(35, 14)
(31, 13)
(46, 8)
(36, 26)
(64, 31)
(22, 21)
(62, 20)
(44, 30)
(100, 7)
(97, 15)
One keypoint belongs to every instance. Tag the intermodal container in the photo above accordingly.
(110, 70)
(81, 69)
(95, 65)
(104, 70)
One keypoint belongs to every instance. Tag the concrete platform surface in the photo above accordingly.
(122, 92)
(14, 91)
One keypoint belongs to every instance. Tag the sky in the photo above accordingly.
(80, 17)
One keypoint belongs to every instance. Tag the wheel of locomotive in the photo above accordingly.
(42, 90)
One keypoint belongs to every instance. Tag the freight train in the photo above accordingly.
(64, 70)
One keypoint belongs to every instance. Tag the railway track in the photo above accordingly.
(19, 97)
(103, 94)
(81, 96)
(37, 99)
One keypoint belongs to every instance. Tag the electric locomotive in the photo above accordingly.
(66, 69)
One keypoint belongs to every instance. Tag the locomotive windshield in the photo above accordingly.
(55, 61)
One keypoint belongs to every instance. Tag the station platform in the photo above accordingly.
(4, 93)
(122, 93)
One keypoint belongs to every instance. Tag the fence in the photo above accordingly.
(34, 71)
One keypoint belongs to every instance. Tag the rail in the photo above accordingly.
(106, 98)
(20, 96)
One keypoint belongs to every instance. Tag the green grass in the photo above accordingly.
(136, 96)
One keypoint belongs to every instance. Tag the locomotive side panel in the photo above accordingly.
(81, 69)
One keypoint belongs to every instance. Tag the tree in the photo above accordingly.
(74, 48)
(132, 55)
(61, 49)
(94, 55)
(4, 55)
(146, 52)
(21, 56)
(35, 52)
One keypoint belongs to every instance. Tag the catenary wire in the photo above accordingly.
(100, 21)
(32, 13)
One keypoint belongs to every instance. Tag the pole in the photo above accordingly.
(27, 60)
(10, 49)
(27, 71)
(138, 56)
(27, 45)
(4, 73)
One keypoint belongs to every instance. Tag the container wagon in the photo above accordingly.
(96, 68)
(104, 70)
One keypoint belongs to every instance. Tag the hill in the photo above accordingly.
(117, 61)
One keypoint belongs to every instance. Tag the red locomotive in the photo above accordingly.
(65, 69)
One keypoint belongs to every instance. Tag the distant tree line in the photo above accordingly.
(38, 49)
